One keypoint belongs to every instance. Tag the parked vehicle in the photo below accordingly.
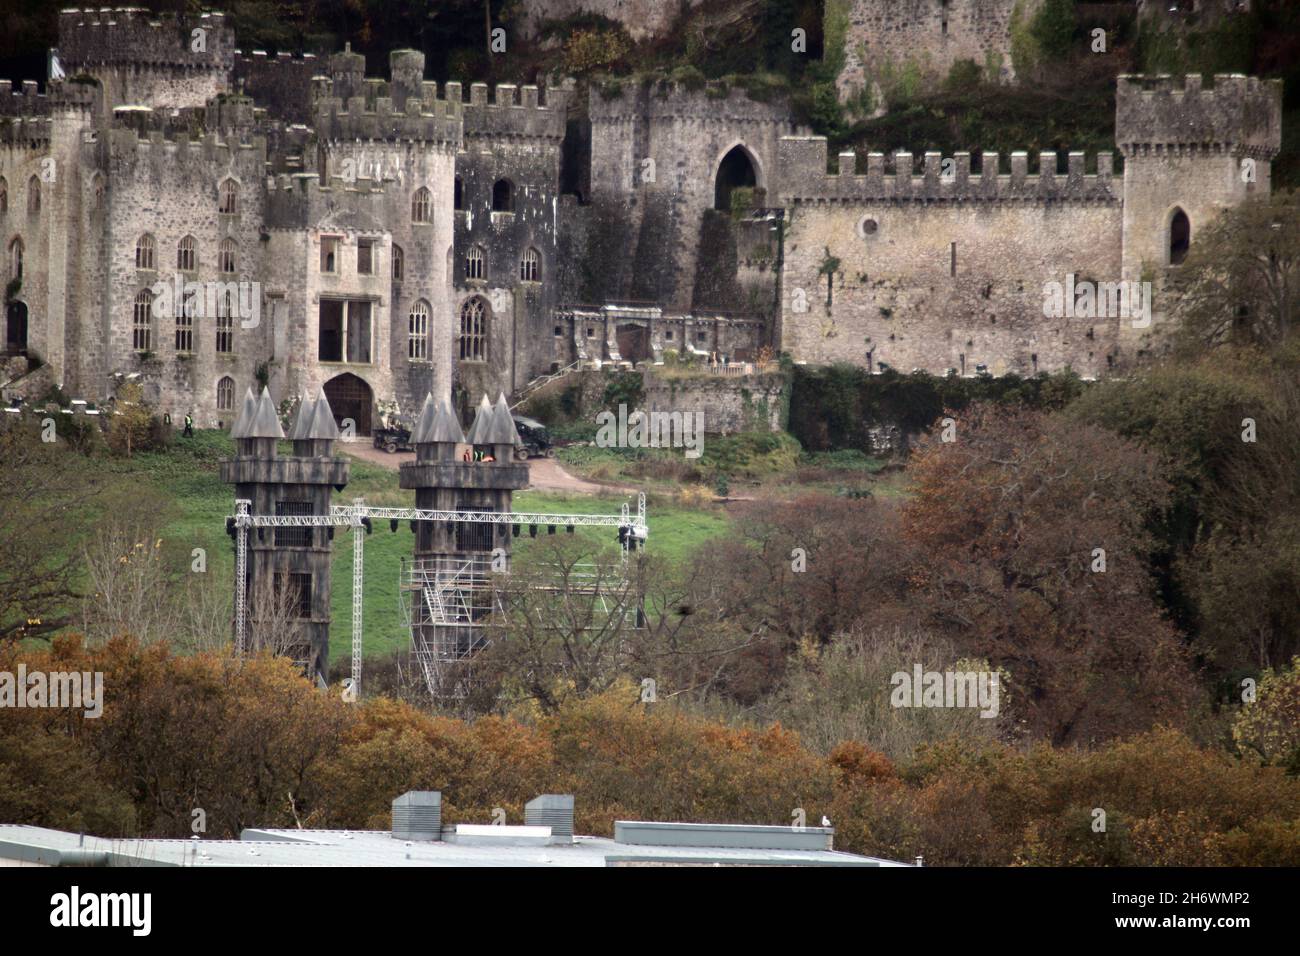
(393, 440)
(536, 439)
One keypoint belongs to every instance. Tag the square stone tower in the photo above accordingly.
(1190, 151)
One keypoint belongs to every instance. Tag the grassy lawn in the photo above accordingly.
(192, 503)
(181, 489)
(747, 465)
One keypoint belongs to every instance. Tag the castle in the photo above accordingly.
(209, 220)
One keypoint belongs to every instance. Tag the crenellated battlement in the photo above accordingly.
(26, 132)
(297, 201)
(374, 116)
(133, 36)
(802, 177)
(27, 100)
(348, 106)
(1239, 113)
(138, 132)
(514, 111)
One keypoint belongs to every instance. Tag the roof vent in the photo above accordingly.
(417, 815)
(744, 836)
(554, 810)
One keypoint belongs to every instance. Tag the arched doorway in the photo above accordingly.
(736, 171)
(1180, 237)
(16, 329)
(350, 397)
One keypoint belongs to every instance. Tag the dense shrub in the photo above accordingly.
(254, 744)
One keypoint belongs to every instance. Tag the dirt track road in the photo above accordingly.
(544, 474)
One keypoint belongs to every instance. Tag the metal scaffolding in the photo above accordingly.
(445, 600)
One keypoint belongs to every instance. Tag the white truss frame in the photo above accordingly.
(353, 516)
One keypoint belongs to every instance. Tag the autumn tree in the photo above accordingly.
(573, 619)
(127, 580)
(841, 691)
(128, 426)
(240, 740)
(1034, 540)
(1269, 725)
(810, 567)
(1226, 429)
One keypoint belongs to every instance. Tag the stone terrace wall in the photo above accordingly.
(730, 404)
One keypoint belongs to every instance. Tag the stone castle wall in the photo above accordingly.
(930, 35)
(945, 266)
(730, 405)
(935, 265)
(1193, 147)
(168, 189)
(686, 133)
(643, 19)
(140, 59)
(938, 272)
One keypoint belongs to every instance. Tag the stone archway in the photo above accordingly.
(736, 171)
(350, 397)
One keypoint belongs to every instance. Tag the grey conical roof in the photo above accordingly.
(446, 427)
(247, 412)
(480, 425)
(301, 423)
(322, 426)
(265, 422)
(424, 422)
(501, 426)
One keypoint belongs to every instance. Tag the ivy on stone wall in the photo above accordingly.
(624, 388)
(834, 407)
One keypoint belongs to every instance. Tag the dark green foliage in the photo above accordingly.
(834, 407)
(1053, 28)
(1227, 46)
(624, 388)
(964, 75)
(1078, 116)
(53, 394)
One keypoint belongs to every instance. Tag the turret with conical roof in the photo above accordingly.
(437, 435)
(501, 433)
(257, 429)
(444, 480)
(482, 420)
(288, 560)
(315, 431)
